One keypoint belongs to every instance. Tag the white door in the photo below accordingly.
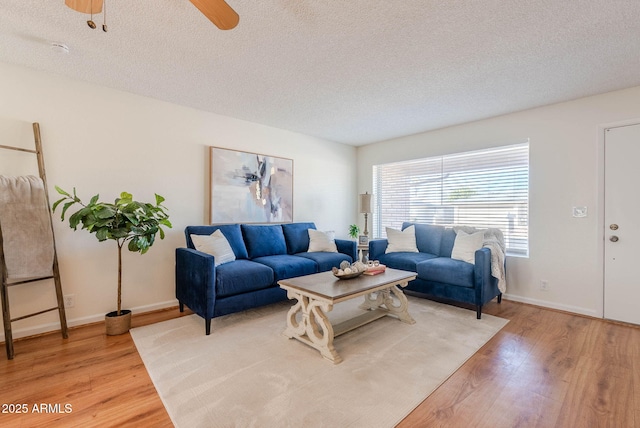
(622, 224)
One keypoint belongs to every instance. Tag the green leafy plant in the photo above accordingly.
(354, 231)
(462, 193)
(125, 221)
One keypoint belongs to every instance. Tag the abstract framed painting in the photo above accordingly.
(250, 187)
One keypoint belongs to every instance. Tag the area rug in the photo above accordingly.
(247, 374)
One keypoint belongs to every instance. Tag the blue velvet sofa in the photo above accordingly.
(265, 254)
(439, 275)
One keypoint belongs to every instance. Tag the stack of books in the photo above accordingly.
(375, 270)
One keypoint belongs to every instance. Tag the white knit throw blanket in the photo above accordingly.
(27, 239)
(494, 240)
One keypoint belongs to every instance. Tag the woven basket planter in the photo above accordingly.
(118, 324)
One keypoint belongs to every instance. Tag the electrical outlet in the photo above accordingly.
(69, 300)
(544, 285)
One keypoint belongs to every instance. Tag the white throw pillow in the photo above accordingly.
(401, 241)
(215, 244)
(466, 245)
(322, 241)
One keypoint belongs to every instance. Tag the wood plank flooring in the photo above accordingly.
(544, 369)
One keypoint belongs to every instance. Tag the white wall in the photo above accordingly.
(106, 141)
(565, 171)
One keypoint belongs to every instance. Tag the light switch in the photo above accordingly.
(579, 211)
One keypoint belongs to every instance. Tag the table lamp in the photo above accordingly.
(365, 208)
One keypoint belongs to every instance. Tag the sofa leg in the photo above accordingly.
(500, 298)
(478, 311)
(181, 306)
(207, 326)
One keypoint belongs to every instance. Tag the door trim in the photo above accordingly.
(602, 129)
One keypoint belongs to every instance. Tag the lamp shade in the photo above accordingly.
(365, 203)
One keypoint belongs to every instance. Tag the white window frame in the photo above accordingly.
(481, 188)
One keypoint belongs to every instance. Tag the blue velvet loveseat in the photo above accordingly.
(439, 275)
(262, 256)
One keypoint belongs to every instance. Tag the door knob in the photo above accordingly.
(613, 226)
(613, 238)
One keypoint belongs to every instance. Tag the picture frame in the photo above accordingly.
(363, 240)
(248, 187)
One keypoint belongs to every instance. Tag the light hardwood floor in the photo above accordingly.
(544, 369)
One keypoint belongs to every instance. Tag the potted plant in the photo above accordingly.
(125, 221)
(354, 231)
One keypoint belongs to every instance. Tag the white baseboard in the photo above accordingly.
(45, 328)
(552, 305)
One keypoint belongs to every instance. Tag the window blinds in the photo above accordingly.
(484, 188)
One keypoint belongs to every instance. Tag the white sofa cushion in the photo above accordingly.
(215, 244)
(322, 241)
(466, 245)
(401, 240)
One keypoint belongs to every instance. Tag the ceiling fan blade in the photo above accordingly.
(218, 12)
(84, 6)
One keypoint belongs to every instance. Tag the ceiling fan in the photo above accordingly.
(217, 11)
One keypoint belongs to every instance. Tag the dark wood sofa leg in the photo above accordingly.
(500, 298)
(207, 326)
(478, 311)
(181, 306)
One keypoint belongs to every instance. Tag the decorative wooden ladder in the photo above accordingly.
(8, 336)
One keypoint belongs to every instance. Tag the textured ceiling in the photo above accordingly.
(351, 71)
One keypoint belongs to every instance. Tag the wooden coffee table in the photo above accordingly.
(316, 294)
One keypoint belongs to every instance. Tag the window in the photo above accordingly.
(484, 188)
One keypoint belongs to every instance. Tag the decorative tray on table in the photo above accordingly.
(348, 275)
(348, 270)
